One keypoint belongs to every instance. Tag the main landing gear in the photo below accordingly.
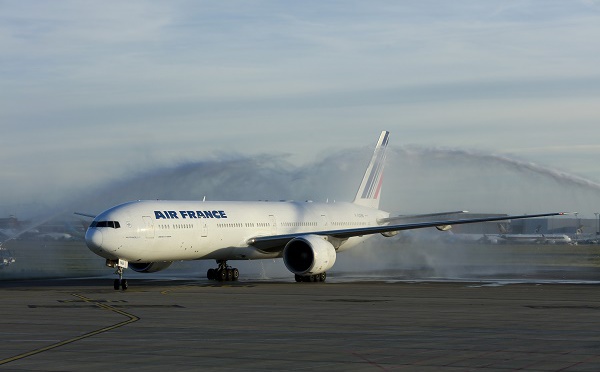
(311, 278)
(223, 273)
(121, 265)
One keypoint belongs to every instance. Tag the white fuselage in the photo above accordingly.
(536, 238)
(149, 231)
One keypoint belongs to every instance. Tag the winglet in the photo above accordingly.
(370, 187)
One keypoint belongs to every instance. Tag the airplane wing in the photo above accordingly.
(276, 243)
(411, 216)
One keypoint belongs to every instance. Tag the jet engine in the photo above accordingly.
(309, 255)
(150, 267)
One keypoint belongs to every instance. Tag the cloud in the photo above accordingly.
(91, 91)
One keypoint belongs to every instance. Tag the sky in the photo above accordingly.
(97, 92)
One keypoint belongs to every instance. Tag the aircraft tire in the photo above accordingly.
(221, 275)
(310, 278)
(117, 284)
(211, 275)
(229, 275)
(124, 284)
(236, 274)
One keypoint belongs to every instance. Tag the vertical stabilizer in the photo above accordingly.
(370, 187)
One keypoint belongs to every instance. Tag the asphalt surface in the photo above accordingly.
(363, 325)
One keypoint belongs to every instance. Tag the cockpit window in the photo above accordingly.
(112, 224)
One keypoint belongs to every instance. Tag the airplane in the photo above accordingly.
(148, 235)
(513, 238)
(537, 238)
(6, 257)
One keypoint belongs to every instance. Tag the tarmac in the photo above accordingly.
(342, 325)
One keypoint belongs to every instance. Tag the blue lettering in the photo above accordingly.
(168, 215)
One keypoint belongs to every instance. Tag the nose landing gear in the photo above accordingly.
(121, 265)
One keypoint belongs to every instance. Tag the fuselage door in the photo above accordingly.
(324, 221)
(148, 229)
(273, 223)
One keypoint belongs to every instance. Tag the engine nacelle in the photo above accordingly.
(309, 255)
(150, 267)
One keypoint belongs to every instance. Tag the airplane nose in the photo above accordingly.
(93, 239)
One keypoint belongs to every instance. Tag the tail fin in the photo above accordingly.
(368, 192)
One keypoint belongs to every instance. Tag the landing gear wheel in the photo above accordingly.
(124, 284)
(117, 284)
(223, 272)
(211, 274)
(310, 278)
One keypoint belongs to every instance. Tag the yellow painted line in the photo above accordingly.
(131, 319)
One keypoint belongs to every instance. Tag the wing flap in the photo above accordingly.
(413, 216)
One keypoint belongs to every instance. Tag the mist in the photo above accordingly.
(416, 180)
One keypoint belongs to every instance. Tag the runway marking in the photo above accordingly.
(357, 300)
(372, 363)
(561, 307)
(74, 306)
(131, 319)
(95, 301)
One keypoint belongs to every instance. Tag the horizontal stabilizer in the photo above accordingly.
(84, 214)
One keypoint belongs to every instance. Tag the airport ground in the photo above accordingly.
(533, 308)
(191, 325)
